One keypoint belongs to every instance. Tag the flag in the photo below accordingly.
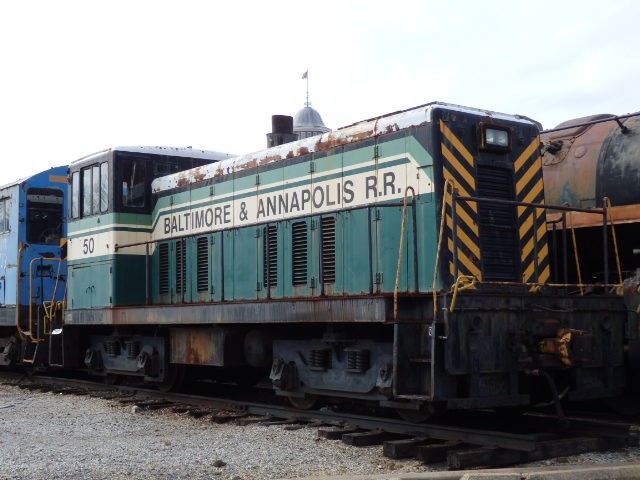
(305, 74)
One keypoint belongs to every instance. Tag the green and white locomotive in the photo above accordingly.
(402, 260)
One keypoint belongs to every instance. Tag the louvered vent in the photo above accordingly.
(203, 264)
(270, 255)
(163, 274)
(497, 225)
(299, 252)
(328, 227)
(181, 274)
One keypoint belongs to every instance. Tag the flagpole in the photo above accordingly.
(307, 103)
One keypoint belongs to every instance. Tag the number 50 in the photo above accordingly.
(87, 245)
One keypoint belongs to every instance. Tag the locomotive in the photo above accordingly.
(401, 261)
(32, 266)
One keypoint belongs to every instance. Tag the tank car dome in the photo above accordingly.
(308, 123)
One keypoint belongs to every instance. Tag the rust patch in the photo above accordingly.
(250, 164)
(198, 174)
(303, 151)
(619, 215)
(270, 158)
(333, 141)
(392, 128)
(183, 181)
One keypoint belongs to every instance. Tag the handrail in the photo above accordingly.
(447, 183)
(575, 253)
(401, 249)
(20, 331)
(34, 338)
(607, 202)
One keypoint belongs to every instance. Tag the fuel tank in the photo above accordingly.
(584, 164)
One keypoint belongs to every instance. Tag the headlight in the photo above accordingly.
(496, 138)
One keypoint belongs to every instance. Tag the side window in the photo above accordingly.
(86, 191)
(133, 179)
(94, 192)
(75, 195)
(95, 187)
(104, 187)
(4, 216)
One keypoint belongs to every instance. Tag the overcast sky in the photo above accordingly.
(80, 76)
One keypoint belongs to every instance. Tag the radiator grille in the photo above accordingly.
(328, 229)
(270, 256)
(163, 274)
(498, 235)
(181, 265)
(203, 264)
(299, 252)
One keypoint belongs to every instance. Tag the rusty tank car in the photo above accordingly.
(594, 162)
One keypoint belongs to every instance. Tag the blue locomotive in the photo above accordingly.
(33, 269)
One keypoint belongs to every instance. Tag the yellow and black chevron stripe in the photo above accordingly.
(534, 249)
(459, 167)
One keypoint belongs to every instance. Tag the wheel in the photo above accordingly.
(627, 404)
(303, 403)
(112, 379)
(173, 378)
(424, 413)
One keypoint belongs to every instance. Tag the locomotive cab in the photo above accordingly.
(32, 265)
(110, 206)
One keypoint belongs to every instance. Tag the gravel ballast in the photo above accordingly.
(54, 436)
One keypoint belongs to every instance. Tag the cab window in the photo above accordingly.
(90, 190)
(44, 215)
(133, 182)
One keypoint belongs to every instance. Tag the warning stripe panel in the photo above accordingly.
(457, 144)
(530, 189)
(524, 156)
(466, 262)
(461, 234)
(458, 168)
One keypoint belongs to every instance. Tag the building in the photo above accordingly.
(308, 123)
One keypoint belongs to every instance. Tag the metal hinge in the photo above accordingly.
(379, 278)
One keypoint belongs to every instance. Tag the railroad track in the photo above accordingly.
(463, 440)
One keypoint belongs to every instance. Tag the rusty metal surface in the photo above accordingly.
(582, 165)
(374, 310)
(353, 133)
(619, 215)
(570, 161)
(197, 346)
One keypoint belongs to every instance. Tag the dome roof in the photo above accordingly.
(308, 119)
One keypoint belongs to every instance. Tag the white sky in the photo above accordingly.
(80, 76)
